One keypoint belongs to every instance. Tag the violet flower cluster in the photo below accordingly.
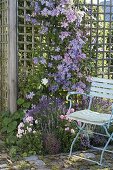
(61, 22)
(47, 106)
(45, 116)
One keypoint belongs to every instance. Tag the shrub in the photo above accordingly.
(51, 143)
(49, 117)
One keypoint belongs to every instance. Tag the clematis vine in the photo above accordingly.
(64, 62)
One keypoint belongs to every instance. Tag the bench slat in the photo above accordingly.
(96, 79)
(95, 94)
(101, 90)
(104, 85)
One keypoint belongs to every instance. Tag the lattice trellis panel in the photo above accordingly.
(3, 55)
(26, 39)
(100, 27)
(101, 35)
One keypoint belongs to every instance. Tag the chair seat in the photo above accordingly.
(91, 117)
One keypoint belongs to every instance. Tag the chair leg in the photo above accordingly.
(80, 130)
(74, 142)
(104, 149)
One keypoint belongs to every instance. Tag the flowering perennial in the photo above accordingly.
(26, 126)
(63, 64)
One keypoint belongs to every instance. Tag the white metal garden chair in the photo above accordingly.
(99, 88)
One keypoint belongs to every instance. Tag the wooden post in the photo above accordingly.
(12, 58)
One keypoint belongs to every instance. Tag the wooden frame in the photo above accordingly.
(12, 59)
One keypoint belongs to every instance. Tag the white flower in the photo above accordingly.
(72, 131)
(29, 119)
(36, 121)
(20, 131)
(21, 125)
(29, 129)
(19, 135)
(44, 81)
(34, 131)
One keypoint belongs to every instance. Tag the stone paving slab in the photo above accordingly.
(54, 162)
(62, 162)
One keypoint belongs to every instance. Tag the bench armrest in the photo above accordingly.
(75, 93)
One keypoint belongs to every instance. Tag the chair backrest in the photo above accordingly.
(101, 87)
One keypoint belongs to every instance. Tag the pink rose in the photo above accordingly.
(70, 111)
(62, 117)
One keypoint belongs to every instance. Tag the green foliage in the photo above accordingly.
(46, 133)
(9, 123)
(32, 83)
(24, 104)
(30, 144)
(66, 131)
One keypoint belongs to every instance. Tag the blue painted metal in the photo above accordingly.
(90, 102)
(80, 130)
(100, 88)
(104, 149)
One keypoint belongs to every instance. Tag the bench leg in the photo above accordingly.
(104, 149)
(80, 130)
(74, 142)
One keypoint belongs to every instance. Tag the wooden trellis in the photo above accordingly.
(26, 39)
(8, 55)
(18, 39)
(3, 54)
(100, 30)
(101, 35)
